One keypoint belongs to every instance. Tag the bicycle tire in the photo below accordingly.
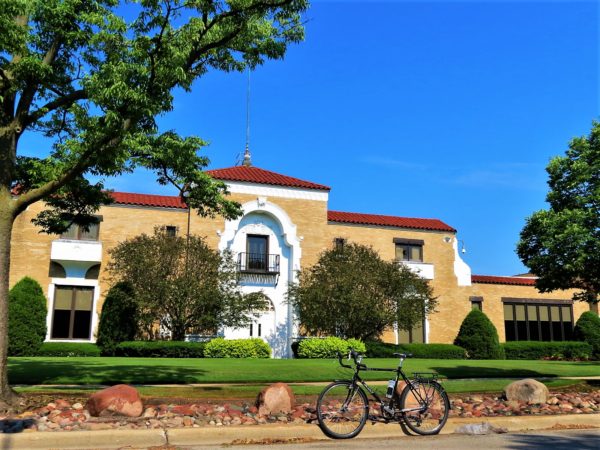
(342, 410)
(432, 418)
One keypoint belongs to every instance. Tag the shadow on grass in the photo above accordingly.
(581, 441)
(487, 372)
(464, 371)
(77, 372)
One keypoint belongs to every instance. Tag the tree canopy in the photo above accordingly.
(182, 285)
(91, 77)
(561, 244)
(352, 293)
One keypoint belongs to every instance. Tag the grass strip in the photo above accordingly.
(101, 370)
(249, 392)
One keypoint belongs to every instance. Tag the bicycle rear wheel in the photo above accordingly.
(426, 411)
(342, 410)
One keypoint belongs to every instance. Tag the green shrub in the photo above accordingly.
(587, 329)
(376, 349)
(478, 336)
(160, 349)
(543, 350)
(118, 318)
(328, 347)
(68, 349)
(237, 348)
(27, 313)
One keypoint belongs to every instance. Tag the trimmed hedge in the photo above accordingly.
(479, 337)
(541, 350)
(376, 349)
(68, 349)
(587, 329)
(26, 318)
(328, 347)
(237, 348)
(160, 349)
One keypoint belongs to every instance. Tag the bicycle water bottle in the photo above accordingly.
(390, 388)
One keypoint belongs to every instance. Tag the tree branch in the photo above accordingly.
(60, 102)
(32, 196)
(31, 88)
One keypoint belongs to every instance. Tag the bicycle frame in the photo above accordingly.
(356, 379)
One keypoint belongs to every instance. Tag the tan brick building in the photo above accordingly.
(285, 225)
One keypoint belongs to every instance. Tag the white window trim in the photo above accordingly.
(73, 282)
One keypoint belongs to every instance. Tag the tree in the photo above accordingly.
(352, 293)
(587, 329)
(118, 319)
(26, 318)
(92, 81)
(182, 284)
(561, 245)
(479, 337)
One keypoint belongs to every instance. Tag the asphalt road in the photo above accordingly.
(535, 440)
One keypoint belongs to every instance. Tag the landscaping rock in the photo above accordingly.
(276, 398)
(527, 390)
(122, 400)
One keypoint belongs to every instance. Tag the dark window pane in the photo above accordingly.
(60, 324)
(91, 234)
(509, 330)
(81, 326)
(534, 334)
(557, 331)
(71, 232)
(545, 326)
(568, 327)
(521, 330)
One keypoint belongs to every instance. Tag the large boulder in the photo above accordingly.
(527, 390)
(118, 400)
(276, 398)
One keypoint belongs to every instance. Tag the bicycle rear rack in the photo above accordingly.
(425, 376)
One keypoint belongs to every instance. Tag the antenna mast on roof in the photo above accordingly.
(247, 160)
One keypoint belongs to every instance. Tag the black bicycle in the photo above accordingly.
(343, 406)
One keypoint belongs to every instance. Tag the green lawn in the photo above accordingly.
(250, 391)
(76, 370)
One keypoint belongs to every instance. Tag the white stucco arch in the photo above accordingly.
(262, 206)
(277, 223)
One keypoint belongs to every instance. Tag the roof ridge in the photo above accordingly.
(382, 215)
(258, 175)
(390, 221)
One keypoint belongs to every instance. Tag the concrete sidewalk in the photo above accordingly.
(217, 436)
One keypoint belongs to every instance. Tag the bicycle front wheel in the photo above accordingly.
(425, 407)
(342, 410)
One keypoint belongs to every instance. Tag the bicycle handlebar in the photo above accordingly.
(357, 357)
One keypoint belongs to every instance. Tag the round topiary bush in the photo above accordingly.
(587, 329)
(478, 336)
(118, 318)
(27, 313)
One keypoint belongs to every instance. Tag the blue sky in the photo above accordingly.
(440, 109)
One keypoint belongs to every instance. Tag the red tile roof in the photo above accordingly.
(251, 174)
(518, 281)
(388, 221)
(161, 201)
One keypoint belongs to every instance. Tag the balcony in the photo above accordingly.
(76, 250)
(258, 263)
(424, 270)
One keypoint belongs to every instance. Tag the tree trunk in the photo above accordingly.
(7, 395)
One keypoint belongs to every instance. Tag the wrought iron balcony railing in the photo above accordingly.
(260, 263)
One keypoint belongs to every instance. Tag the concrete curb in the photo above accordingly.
(103, 439)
